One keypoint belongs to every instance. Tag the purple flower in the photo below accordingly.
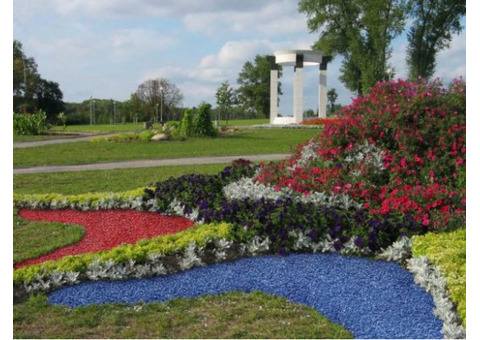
(358, 242)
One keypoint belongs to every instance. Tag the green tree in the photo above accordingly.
(434, 23)
(25, 78)
(186, 124)
(254, 86)
(332, 98)
(49, 98)
(202, 122)
(161, 97)
(360, 31)
(225, 99)
(30, 91)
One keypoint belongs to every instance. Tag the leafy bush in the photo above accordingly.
(30, 124)
(400, 150)
(202, 122)
(448, 251)
(186, 124)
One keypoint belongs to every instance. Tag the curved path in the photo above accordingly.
(150, 163)
(372, 299)
(71, 139)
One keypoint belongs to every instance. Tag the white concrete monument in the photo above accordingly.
(298, 59)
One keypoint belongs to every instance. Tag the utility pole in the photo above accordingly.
(161, 105)
(91, 111)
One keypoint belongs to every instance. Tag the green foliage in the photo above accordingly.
(186, 125)
(30, 124)
(233, 315)
(32, 239)
(448, 251)
(434, 23)
(332, 98)
(62, 119)
(358, 30)
(226, 98)
(139, 252)
(202, 122)
(254, 86)
(30, 91)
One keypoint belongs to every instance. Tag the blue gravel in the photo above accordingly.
(372, 299)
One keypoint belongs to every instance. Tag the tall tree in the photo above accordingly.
(49, 98)
(360, 31)
(25, 79)
(434, 23)
(159, 94)
(332, 98)
(254, 89)
(225, 96)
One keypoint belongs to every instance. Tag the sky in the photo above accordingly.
(106, 48)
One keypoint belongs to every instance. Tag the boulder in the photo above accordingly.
(159, 137)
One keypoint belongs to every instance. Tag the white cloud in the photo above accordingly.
(451, 63)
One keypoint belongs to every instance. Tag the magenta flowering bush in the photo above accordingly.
(400, 151)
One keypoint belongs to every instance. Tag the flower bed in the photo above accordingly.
(399, 151)
(104, 229)
(392, 167)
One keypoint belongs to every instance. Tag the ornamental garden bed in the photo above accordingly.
(390, 170)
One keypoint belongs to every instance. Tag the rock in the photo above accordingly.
(159, 137)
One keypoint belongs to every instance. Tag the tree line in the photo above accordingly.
(358, 31)
(361, 32)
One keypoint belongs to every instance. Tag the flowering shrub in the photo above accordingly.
(400, 151)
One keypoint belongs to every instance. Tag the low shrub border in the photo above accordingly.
(132, 199)
(147, 257)
(429, 277)
(448, 252)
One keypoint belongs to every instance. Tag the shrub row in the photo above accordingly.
(448, 251)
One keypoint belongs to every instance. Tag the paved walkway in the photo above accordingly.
(72, 139)
(150, 163)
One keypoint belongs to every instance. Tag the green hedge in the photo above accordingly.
(447, 251)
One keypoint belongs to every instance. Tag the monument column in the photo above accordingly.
(273, 89)
(322, 90)
(298, 89)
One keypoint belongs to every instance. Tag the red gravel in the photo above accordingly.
(104, 229)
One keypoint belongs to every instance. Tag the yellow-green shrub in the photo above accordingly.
(447, 251)
(166, 244)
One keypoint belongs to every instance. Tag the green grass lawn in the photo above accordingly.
(232, 315)
(72, 183)
(248, 142)
(32, 239)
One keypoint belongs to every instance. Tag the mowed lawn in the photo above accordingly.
(242, 142)
(82, 182)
